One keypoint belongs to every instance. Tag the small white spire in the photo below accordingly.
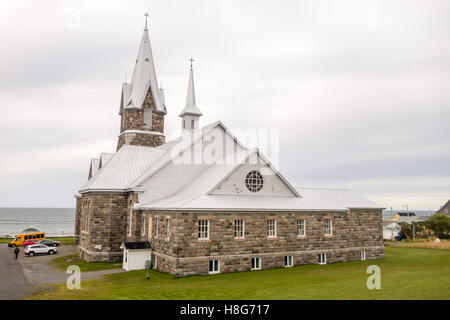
(191, 105)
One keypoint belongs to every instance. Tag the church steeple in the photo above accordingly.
(142, 106)
(191, 113)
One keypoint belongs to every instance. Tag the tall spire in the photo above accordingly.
(144, 78)
(191, 106)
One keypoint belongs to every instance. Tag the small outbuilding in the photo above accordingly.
(136, 255)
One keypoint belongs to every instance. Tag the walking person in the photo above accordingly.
(16, 251)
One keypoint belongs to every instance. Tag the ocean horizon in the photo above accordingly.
(53, 221)
(61, 221)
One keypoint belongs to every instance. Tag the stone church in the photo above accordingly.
(205, 202)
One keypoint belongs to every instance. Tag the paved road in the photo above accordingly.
(19, 277)
(13, 283)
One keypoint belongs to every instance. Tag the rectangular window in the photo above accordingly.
(239, 228)
(168, 228)
(144, 226)
(192, 124)
(322, 258)
(184, 124)
(150, 227)
(148, 118)
(256, 263)
(363, 254)
(301, 227)
(328, 227)
(203, 229)
(214, 266)
(157, 228)
(288, 261)
(271, 228)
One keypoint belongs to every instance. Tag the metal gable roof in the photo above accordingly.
(127, 164)
(311, 200)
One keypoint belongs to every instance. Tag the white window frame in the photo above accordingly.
(168, 228)
(203, 229)
(214, 271)
(328, 229)
(271, 229)
(303, 223)
(288, 261)
(239, 229)
(322, 258)
(148, 117)
(257, 265)
(144, 221)
(363, 255)
(130, 231)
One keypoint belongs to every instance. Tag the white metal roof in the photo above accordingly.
(191, 106)
(310, 200)
(144, 79)
(125, 166)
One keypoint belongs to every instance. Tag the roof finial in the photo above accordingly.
(191, 60)
(146, 18)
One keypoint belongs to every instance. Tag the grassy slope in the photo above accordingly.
(62, 264)
(406, 273)
(62, 240)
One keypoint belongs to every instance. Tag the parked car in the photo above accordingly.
(39, 249)
(28, 243)
(49, 243)
(20, 238)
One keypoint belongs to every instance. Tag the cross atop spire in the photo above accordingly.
(146, 18)
(192, 61)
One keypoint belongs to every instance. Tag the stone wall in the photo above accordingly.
(77, 220)
(184, 254)
(140, 139)
(133, 119)
(103, 224)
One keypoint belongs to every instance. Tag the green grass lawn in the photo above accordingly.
(62, 240)
(406, 273)
(62, 264)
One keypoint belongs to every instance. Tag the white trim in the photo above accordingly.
(288, 261)
(259, 263)
(218, 266)
(363, 255)
(200, 232)
(331, 226)
(269, 233)
(156, 133)
(322, 258)
(243, 229)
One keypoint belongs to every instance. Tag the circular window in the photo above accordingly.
(254, 181)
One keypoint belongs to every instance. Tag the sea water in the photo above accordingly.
(53, 221)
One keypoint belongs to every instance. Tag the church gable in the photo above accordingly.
(254, 177)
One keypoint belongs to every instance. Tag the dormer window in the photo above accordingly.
(254, 181)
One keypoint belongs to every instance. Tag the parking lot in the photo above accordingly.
(19, 277)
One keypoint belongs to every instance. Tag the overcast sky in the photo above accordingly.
(360, 90)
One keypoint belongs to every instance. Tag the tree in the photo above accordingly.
(440, 224)
(405, 230)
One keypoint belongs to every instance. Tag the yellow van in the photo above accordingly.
(21, 238)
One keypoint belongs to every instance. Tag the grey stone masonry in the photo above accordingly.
(103, 225)
(182, 253)
(133, 119)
